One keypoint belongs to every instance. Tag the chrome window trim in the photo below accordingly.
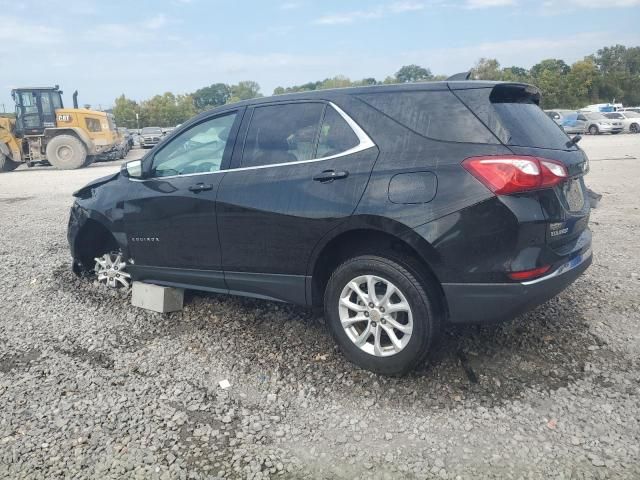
(364, 140)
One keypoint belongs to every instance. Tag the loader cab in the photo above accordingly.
(36, 109)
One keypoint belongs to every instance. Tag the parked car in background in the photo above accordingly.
(397, 209)
(127, 136)
(150, 136)
(630, 120)
(573, 123)
(554, 115)
(597, 123)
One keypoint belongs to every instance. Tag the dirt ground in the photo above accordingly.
(91, 387)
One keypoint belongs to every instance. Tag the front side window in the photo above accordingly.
(282, 134)
(199, 149)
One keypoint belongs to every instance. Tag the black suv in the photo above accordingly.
(396, 208)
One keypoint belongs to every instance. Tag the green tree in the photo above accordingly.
(487, 69)
(212, 96)
(166, 110)
(413, 73)
(125, 111)
(244, 90)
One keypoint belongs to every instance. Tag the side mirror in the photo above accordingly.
(132, 169)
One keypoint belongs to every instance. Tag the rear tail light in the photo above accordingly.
(507, 174)
(529, 274)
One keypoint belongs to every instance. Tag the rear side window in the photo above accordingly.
(515, 118)
(435, 114)
(336, 136)
(282, 134)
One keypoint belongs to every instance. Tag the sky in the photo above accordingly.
(143, 48)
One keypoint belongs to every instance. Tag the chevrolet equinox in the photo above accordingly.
(394, 208)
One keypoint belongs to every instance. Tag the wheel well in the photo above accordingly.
(92, 240)
(364, 241)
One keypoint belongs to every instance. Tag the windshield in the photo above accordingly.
(595, 116)
(614, 115)
(148, 130)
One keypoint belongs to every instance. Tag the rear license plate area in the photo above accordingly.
(574, 194)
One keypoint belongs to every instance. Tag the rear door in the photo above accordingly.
(299, 172)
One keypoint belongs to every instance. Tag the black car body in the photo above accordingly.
(467, 189)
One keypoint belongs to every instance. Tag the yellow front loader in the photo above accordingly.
(44, 131)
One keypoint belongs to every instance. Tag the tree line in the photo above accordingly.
(612, 74)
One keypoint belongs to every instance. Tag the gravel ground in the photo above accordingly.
(91, 387)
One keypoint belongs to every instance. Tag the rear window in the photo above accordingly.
(434, 114)
(515, 118)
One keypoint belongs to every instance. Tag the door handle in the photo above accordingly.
(200, 187)
(330, 176)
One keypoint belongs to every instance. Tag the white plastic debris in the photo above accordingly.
(224, 383)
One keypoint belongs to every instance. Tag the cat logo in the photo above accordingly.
(64, 117)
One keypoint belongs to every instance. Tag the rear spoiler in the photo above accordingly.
(515, 93)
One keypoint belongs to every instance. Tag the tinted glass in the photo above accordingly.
(336, 136)
(613, 115)
(518, 123)
(197, 150)
(282, 134)
(57, 101)
(151, 130)
(435, 114)
(45, 101)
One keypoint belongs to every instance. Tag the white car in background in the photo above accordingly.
(630, 120)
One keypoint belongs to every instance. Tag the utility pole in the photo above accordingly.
(137, 121)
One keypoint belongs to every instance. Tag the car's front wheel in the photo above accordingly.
(381, 313)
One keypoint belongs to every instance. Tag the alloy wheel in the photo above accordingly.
(375, 315)
(110, 269)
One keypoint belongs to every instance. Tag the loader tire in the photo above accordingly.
(6, 164)
(66, 152)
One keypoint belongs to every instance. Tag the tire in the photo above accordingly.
(634, 128)
(6, 165)
(66, 152)
(420, 320)
(593, 130)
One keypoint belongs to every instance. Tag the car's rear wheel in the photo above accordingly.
(381, 314)
(634, 128)
(593, 130)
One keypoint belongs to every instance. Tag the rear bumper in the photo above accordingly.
(495, 302)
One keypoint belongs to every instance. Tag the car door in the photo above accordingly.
(581, 123)
(299, 173)
(170, 217)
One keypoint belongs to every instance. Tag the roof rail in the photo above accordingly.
(459, 76)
